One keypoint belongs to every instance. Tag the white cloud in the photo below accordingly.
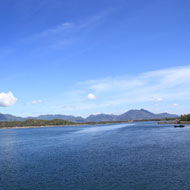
(36, 101)
(7, 99)
(91, 96)
(175, 105)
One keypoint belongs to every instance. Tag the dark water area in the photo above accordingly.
(139, 156)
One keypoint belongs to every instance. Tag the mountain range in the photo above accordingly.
(129, 115)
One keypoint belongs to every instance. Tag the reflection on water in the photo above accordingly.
(138, 156)
(103, 128)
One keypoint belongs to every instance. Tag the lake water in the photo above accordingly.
(139, 156)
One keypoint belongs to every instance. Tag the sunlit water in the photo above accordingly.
(139, 156)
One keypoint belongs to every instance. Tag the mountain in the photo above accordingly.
(129, 115)
(143, 114)
(58, 116)
(137, 115)
(101, 117)
(8, 117)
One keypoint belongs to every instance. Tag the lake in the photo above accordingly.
(138, 156)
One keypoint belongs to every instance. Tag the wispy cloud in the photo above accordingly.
(153, 89)
(51, 32)
(36, 101)
(60, 28)
(67, 32)
(161, 79)
(158, 99)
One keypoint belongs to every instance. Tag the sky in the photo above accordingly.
(82, 57)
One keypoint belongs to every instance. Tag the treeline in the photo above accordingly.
(185, 117)
(34, 122)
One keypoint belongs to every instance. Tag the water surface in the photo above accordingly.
(139, 156)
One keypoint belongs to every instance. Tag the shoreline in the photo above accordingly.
(174, 122)
(46, 126)
(42, 126)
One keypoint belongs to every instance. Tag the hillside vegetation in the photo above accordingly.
(185, 117)
(34, 122)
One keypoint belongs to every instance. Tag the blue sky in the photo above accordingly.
(81, 57)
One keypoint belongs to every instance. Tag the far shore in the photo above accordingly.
(174, 122)
(42, 126)
(77, 124)
(95, 123)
